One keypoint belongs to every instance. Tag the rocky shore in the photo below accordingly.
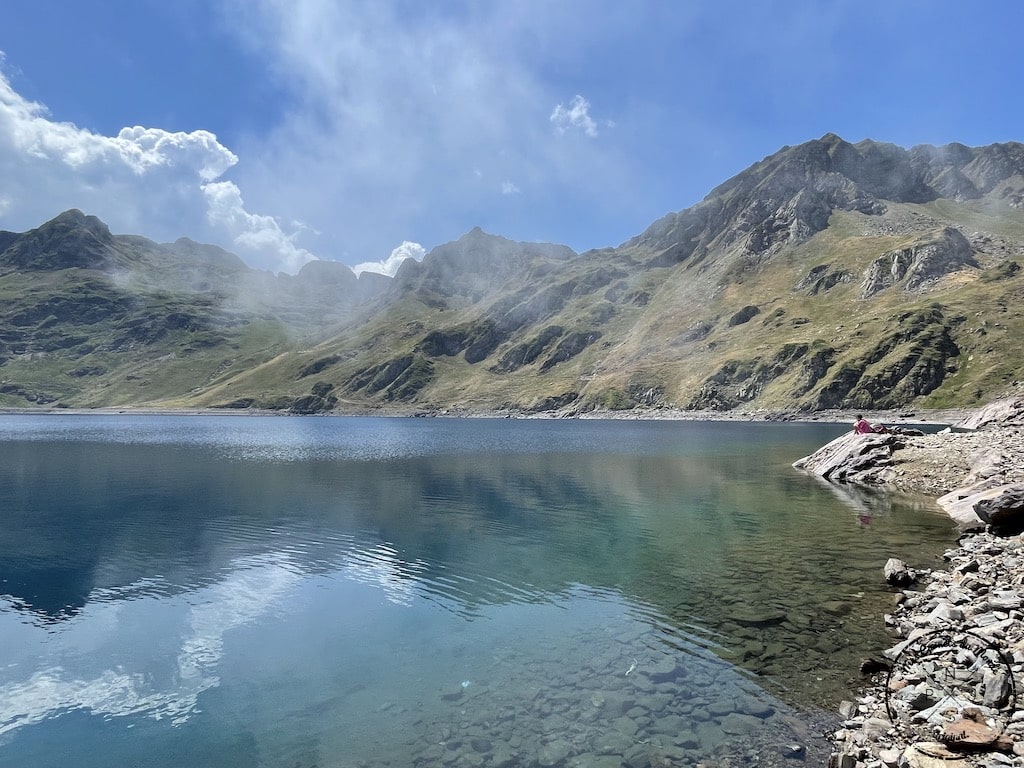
(950, 689)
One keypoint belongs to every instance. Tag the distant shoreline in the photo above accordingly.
(937, 417)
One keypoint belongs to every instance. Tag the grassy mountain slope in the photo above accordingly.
(826, 275)
(92, 319)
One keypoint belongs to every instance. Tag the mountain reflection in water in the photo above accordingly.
(277, 589)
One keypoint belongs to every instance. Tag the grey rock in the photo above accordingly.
(1004, 511)
(1007, 411)
(792, 751)
(997, 690)
(898, 573)
(554, 753)
(919, 264)
(842, 760)
(851, 458)
(736, 723)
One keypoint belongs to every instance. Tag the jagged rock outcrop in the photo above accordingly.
(739, 381)
(70, 240)
(919, 264)
(853, 458)
(822, 279)
(913, 359)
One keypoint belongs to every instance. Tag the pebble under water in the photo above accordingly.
(279, 591)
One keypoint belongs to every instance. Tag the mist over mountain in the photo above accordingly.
(827, 275)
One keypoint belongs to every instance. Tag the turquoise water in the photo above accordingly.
(298, 592)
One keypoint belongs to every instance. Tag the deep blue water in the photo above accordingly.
(298, 592)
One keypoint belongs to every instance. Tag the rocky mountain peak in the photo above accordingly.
(790, 195)
(71, 239)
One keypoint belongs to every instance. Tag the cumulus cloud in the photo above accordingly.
(162, 184)
(576, 115)
(508, 188)
(252, 233)
(26, 129)
(391, 264)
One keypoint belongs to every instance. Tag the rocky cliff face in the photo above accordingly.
(789, 196)
(917, 265)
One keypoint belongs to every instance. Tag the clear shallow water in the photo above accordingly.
(245, 591)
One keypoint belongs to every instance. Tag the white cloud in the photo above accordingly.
(252, 233)
(148, 181)
(404, 122)
(26, 129)
(390, 265)
(577, 115)
(392, 123)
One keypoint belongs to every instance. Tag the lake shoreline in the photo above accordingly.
(934, 417)
(978, 597)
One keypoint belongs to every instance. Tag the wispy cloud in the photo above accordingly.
(409, 122)
(576, 115)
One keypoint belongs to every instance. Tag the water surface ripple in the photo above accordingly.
(298, 592)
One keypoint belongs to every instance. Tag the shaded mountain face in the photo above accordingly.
(828, 275)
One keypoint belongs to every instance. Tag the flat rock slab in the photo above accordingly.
(1008, 411)
(852, 458)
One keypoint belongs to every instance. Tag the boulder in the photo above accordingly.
(1003, 510)
(852, 458)
(898, 573)
(959, 503)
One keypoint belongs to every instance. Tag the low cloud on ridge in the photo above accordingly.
(143, 180)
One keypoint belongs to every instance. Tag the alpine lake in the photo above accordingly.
(291, 592)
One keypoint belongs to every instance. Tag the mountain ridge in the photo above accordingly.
(826, 275)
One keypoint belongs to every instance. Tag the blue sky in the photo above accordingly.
(286, 130)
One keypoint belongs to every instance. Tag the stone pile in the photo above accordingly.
(950, 690)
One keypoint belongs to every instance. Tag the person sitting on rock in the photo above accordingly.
(862, 427)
